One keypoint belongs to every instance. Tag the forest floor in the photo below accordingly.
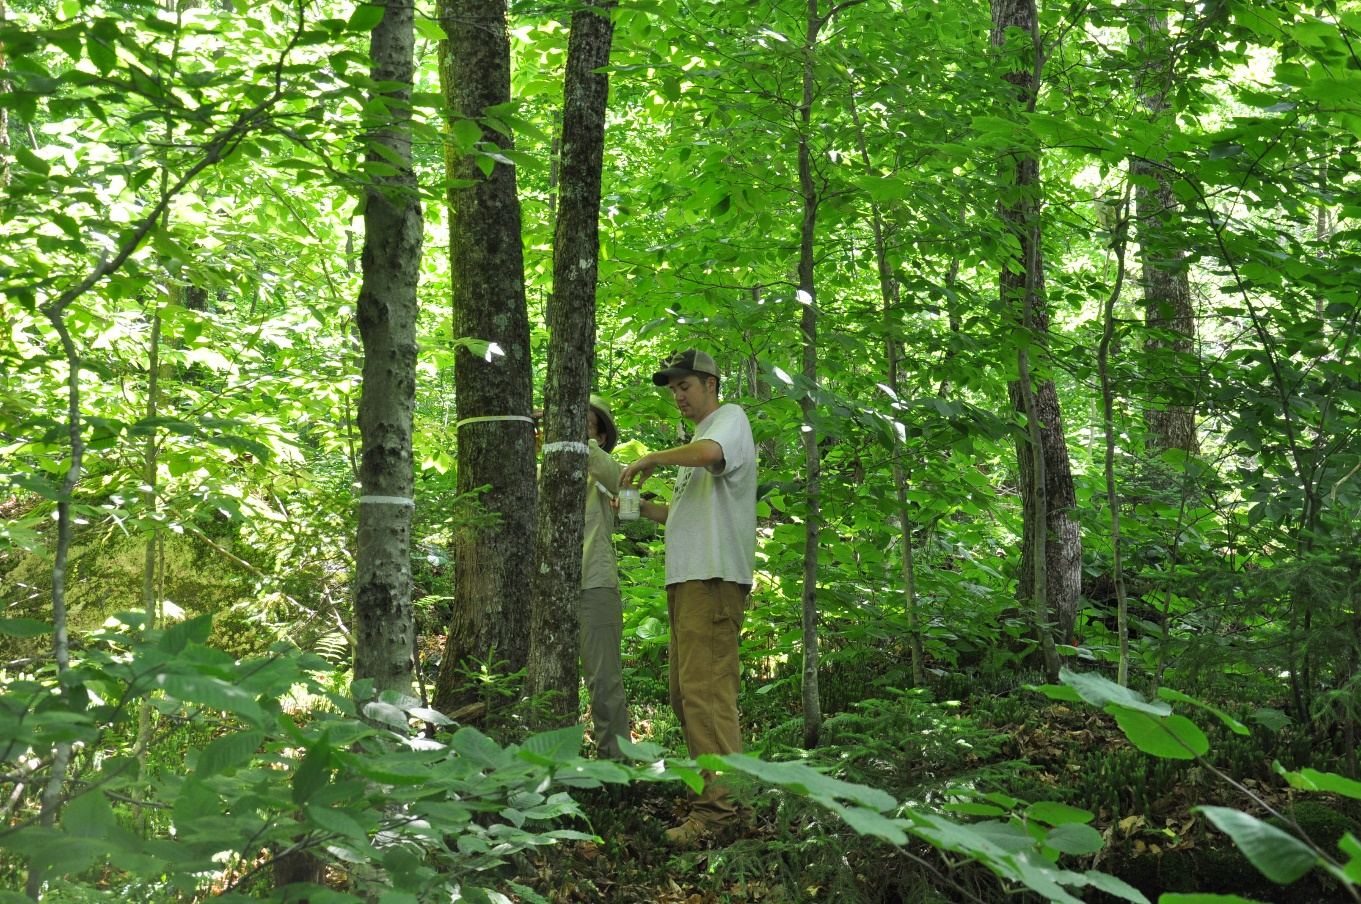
(792, 851)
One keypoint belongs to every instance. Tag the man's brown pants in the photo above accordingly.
(706, 623)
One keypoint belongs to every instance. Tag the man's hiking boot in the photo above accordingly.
(688, 833)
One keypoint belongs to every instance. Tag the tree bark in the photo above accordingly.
(4, 111)
(808, 325)
(150, 601)
(1119, 240)
(888, 292)
(394, 229)
(493, 557)
(1051, 545)
(556, 625)
(1163, 275)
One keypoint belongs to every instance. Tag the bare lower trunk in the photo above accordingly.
(1164, 276)
(4, 111)
(149, 601)
(555, 626)
(384, 632)
(888, 292)
(1051, 550)
(494, 557)
(808, 324)
(1108, 410)
(61, 755)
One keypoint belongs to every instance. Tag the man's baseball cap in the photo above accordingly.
(683, 364)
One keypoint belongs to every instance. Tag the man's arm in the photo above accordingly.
(654, 511)
(702, 453)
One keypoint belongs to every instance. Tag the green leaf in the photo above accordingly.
(214, 693)
(1072, 838)
(102, 45)
(365, 17)
(1100, 692)
(971, 808)
(477, 747)
(395, 769)
(1351, 846)
(35, 484)
(429, 29)
(1056, 814)
(644, 750)
(88, 815)
(382, 711)
(30, 160)
(1170, 737)
(24, 627)
(466, 133)
(226, 753)
(1058, 692)
(555, 747)
(1234, 725)
(803, 779)
(398, 897)
(867, 821)
(1271, 719)
(337, 822)
(1113, 886)
(194, 803)
(314, 771)
(1313, 780)
(1203, 898)
(1280, 857)
(178, 636)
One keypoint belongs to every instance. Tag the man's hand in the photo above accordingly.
(639, 471)
(702, 453)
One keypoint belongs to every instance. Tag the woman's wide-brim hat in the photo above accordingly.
(609, 433)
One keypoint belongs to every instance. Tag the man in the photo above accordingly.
(602, 607)
(710, 553)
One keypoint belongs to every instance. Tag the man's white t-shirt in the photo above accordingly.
(711, 526)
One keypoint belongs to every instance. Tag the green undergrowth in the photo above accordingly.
(988, 731)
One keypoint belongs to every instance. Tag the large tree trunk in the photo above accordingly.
(556, 623)
(1164, 276)
(1051, 545)
(384, 631)
(493, 557)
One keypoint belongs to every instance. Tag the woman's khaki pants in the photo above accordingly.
(602, 635)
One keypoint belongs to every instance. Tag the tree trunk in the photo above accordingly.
(1119, 240)
(1163, 277)
(51, 795)
(384, 633)
(808, 324)
(1051, 545)
(150, 603)
(556, 624)
(4, 111)
(494, 557)
(888, 292)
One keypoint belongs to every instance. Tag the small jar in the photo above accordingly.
(630, 504)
